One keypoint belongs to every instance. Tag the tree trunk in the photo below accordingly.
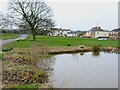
(33, 34)
(34, 38)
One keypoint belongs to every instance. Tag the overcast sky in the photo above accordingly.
(82, 15)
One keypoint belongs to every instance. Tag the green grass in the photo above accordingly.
(63, 41)
(26, 86)
(35, 86)
(9, 36)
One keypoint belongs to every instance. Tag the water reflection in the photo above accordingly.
(97, 53)
(81, 53)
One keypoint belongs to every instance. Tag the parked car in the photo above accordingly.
(87, 36)
(103, 39)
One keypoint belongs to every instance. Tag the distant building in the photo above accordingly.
(81, 33)
(115, 33)
(58, 32)
(97, 32)
(72, 34)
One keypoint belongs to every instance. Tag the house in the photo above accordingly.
(115, 33)
(72, 34)
(65, 32)
(58, 32)
(97, 32)
(54, 31)
(87, 35)
(77, 33)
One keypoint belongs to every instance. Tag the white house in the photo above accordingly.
(58, 32)
(96, 32)
(101, 34)
(115, 34)
(88, 34)
(65, 32)
(72, 34)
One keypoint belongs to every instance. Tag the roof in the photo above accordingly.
(116, 30)
(72, 32)
(66, 29)
(56, 29)
(60, 29)
(96, 29)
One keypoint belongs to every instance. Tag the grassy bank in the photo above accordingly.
(9, 36)
(22, 68)
(63, 41)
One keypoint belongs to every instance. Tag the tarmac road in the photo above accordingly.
(13, 40)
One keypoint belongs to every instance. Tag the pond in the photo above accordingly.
(85, 70)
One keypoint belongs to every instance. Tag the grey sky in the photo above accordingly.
(74, 14)
(85, 15)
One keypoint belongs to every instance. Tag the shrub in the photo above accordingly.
(100, 45)
(18, 40)
(118, 47)
(7, 49)
(68, 44)
(81, 46)
(95, 48)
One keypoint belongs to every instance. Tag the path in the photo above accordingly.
(12, 40)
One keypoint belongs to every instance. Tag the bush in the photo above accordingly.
(68, 44)
(81, 46)
(96, 48)
(118, 47)
(7, 49)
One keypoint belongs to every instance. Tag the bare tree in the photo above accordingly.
(33, 14)
(3, 21)
(6, 22)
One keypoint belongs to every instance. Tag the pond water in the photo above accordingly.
(85, 70)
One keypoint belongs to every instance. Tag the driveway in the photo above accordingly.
(13, 40)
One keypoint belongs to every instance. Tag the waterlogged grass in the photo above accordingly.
(62, 41)
(9, 36)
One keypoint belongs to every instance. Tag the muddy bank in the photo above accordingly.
(66, 49)
(60, 50)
